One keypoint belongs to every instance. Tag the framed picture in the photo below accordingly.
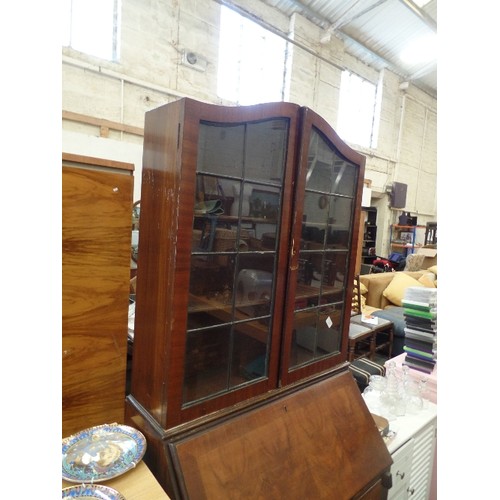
(264, 203)
(211, 186)
(406, 237)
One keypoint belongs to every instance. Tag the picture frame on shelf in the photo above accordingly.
(406, 237)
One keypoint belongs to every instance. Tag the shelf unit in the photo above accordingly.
(403, 239)
(369, 235)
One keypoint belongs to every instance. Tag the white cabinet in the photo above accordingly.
(413, 453)
(422, 462)
(400, 471)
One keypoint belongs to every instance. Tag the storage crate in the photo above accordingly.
(196, 240)
(225, 241)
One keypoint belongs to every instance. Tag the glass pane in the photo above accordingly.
(309, 275)
(303, 338)
(320, 278)
(264, 203)
(210, 353)
(333, 276)
(319, 174)
(316, 334)
(254, 285)
(249, 352)
(265, 150)
(329, 330)
(339, 221)
(344, 178)
(315, 216)
(240, 193)
(254, 151)
(221, 149)
(327, 171)
(207, 361)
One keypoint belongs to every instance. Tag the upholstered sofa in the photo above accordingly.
(381, 295)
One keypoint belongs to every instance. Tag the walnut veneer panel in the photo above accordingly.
(96, 232)
(320, 442)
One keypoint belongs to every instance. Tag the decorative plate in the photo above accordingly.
(101, 453)
(92, 491)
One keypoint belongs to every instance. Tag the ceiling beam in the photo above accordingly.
(344, 20)
(421, 14)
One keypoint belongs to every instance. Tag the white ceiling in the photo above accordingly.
(375, 31)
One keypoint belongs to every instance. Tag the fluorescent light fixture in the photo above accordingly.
(421, 50)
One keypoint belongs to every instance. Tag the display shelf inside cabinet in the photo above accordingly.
(246, 263)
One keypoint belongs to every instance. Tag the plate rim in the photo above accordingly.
(132, 432)
(116, 494)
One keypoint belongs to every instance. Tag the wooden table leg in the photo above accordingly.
(350, 350)
(373, 344)
(391, 340)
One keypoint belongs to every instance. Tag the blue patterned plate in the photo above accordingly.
(101, 453)
(90, 491)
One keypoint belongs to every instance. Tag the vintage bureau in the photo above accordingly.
(240, 378)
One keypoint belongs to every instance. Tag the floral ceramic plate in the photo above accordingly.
(90, 491)
(101, 453)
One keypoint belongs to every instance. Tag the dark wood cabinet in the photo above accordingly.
(96, 225)
(245, 264)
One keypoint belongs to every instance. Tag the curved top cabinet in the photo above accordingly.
(247, 247)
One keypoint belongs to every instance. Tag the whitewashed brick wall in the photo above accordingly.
(150, 73)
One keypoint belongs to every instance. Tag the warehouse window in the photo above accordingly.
(92, 26)
(252, 61)
(359, 110)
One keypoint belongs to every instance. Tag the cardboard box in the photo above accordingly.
(430, 258)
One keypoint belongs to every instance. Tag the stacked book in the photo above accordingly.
(420, 313)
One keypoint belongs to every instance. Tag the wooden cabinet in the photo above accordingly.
(245, 265)
(287, 448)
(96, 229)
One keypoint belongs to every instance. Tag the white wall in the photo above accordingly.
(150, 73)
(89, 145)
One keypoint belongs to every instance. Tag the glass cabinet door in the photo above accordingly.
(246, 235)
(236, 223)
(323, 241)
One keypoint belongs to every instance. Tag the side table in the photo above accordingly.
(136, 484)
(380, 336)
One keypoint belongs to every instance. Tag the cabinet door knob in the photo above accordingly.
(411, 491)
(401, 475)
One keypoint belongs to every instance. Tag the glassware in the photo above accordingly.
(392, 396)
(374, 396)
(422, 390)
